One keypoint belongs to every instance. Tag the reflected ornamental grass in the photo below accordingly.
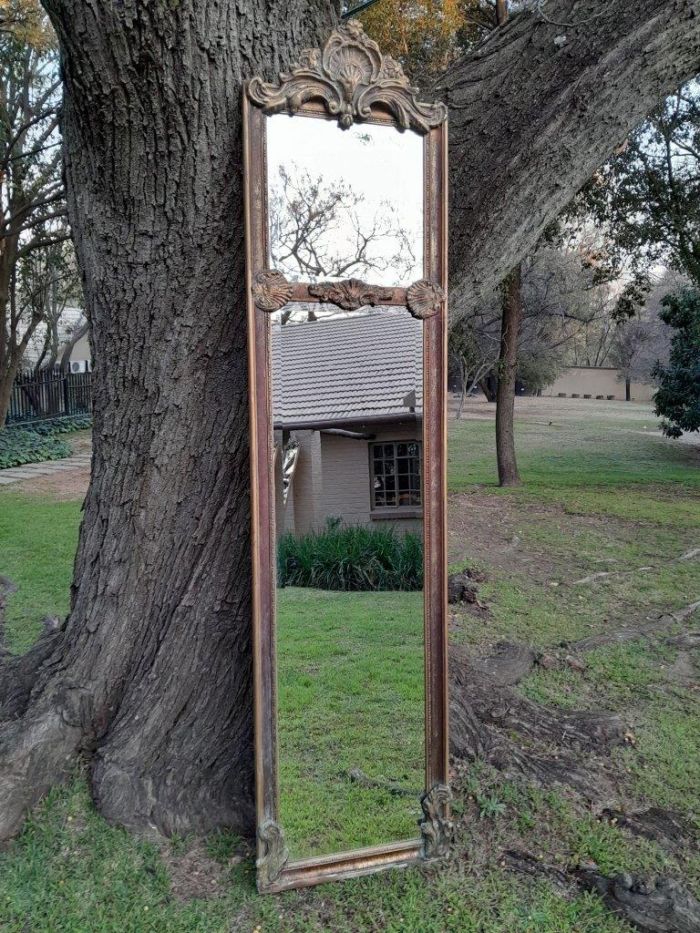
(351, 557)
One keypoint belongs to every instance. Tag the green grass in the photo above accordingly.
(37, 546)
(350, 671)
(600, 493)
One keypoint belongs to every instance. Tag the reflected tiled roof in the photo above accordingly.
(348, 368)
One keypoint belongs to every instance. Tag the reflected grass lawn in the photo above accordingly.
(351, 697)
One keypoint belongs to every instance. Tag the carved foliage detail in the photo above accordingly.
(437, 830)
(351, 76)
(274, 853)
(271, 291)
(424, 299)
(351, 294)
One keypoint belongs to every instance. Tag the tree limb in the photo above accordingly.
(566, 95)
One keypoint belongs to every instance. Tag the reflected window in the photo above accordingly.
(396, 474)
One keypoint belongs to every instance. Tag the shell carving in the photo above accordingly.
(273, 853)
(437, 830)
(271, 291)
(351, 76)
(424, 299)
(351, 294)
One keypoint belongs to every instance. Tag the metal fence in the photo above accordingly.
(49, 395)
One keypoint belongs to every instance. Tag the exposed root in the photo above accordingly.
(36, 753)
(657, 628)
(492, 722)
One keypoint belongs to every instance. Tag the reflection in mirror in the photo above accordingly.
(344, 204)
(348, 437)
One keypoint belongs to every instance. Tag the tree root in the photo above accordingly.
(657, 628)
(658, 905)
(36, 752)
(492, 722)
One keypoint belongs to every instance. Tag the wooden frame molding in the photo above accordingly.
(348, 81)
(352, 77)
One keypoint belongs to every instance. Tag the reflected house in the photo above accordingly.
(348, 418)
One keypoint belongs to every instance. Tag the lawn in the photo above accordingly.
(350, 668)
(603, 493)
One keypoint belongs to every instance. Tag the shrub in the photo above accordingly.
(18, 447)
(351, 558)
(52, 426)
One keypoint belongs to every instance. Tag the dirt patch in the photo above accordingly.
(487, 530)
(62, 486)
(194, 875)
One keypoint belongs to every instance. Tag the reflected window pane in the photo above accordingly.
(396, 479)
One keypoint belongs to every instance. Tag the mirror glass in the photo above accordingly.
(344, 204)
(348, 443)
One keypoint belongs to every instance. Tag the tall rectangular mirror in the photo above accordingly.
(346, 239)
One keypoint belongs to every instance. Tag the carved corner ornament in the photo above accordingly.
(351, 294)
(424, 299)
(351, 76)
(271, 291)
(274, 855)
(436, 829)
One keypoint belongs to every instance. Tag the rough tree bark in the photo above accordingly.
(511, 320)
(507, 371)
(151, 675)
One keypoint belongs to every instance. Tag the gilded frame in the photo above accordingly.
(348, 81)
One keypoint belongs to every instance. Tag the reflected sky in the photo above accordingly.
(345, 204)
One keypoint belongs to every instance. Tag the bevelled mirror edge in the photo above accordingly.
(426, 300)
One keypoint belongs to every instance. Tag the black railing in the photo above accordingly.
(49, 395)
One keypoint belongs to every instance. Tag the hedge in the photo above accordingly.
(351, 558)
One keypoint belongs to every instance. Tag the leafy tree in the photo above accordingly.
(647, 199)
(678, 397)
(32, 199)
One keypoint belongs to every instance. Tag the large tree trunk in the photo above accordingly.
(507, 371)
(151, 676)
(153, 672)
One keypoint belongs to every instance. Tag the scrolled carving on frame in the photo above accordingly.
(352, 294)
(271, 291)
(351, 76)
(274, 855)
(436, 829)
(424, 299)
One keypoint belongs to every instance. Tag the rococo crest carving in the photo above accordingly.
(274, 855)
(351, 294)
(424, 299)
(271, 291)
(351, 76)
(437, 830)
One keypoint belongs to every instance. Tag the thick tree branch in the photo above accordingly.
(539, 107)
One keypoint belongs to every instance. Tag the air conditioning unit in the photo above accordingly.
(80, 366)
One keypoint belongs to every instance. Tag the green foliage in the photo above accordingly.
(678, 397)
(18, 446)
(647, 199)
(52, 426)
(351, 558)
(38, 442)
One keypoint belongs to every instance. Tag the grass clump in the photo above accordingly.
(351, 558)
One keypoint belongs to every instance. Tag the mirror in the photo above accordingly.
(348, 437)
(346, 243)
(344, 205)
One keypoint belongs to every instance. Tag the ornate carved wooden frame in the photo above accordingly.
(349, 81)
